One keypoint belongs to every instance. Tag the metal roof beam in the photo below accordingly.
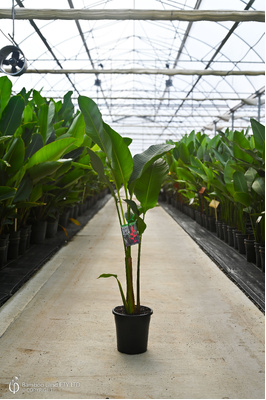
(133, 14)
(147, 71)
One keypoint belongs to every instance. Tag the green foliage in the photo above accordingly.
(141, 176)
(231, 168)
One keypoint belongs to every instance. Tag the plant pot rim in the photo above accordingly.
(120, 310)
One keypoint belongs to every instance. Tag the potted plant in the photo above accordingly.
(141, 176)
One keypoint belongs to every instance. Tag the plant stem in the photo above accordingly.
(129, 278)
(138, 276)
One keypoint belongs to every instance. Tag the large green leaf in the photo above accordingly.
(46, 115)
(98, 166)
(5, 92)
(6, 193)
(67, 109)
(185, 174)
(15, 155)
(181, 152)
(143, 160)
(259, 186)
(71, 177)
(24, 190)
(11, 117)
(240, 182)
(148, 186)
(76, 130)
(240, 145)
(35, 144)
(94, 125)
(43, 169)
(51, 152)
(242, 198)
(259, 135)
(121, 160)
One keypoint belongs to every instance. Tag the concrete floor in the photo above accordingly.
(58, 335)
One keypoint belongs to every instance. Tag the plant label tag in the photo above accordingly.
(214, 204)
(202, 190)
(130, 234)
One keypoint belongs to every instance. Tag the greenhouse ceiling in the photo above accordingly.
(156, 68)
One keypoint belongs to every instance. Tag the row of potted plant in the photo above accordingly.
(220, 182)
(45, 169)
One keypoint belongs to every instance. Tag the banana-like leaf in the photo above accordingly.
(242, 198)
(7, 193)
(36, 144)
(240, 182)
(94, 125)
(98, 166)
(142, 161)
(51, 151)
(259, 135)
(11, 117)
(15, 155)
(259, 186)
(41, 170)
(76, 130)
(24, 190)
(46, 116)
(121, 161)
(148, 186)
(5, 92)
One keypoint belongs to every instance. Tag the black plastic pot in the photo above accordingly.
(4, 241)
(230, 236)
(132, 331)
(52, 227)
(220, 232)
(225, 232)
(235, 231)
(211, 224)
(38, 232)
(64, 219)
(24, 233)
(262, 258)
(13, 246)
(240, 242)
(250, 250)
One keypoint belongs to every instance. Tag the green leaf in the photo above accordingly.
(36, 144)
(143, 160)
(148, 186)
(240, 182)
(240, 147)
(15, 155)
(7, 193)
(5, 92)
(259, 186)
(94, 125)
(242, 198)
(120, 288)
(259, 135)
(51, 152)
(11, 117)
(41, 170)
(98, 166)
(132, 204)
(46, 115)
(76, 130)
(24, 190)
(121, 160)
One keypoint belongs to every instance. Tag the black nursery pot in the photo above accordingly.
(132, 330)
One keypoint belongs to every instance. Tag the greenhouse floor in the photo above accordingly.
(57, 333)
